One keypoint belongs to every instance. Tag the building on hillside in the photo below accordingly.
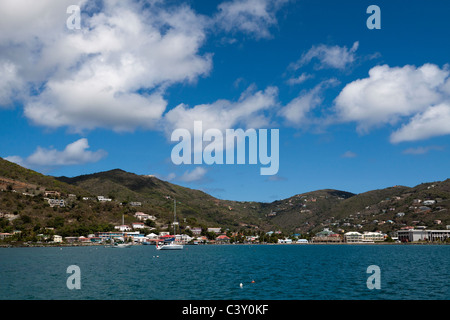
(141, 216)
(196, 231)
(123, 228)
(135, 204)
(103, 199)
(56, 203)
(138, 225)
(57, 238)
(52, 193)
(3, 236)
(215, 230)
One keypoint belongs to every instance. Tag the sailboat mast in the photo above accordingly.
(174, 214)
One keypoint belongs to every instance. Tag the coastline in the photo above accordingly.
(61, 245)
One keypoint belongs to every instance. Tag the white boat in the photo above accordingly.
(122, 245)
(170, 246)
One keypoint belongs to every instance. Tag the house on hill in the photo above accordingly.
(123, 228)
(138, 225)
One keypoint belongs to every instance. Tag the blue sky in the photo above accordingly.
(356, 109)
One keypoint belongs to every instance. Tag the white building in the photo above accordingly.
(123, 228)
(57, 238)
(366, 237)
(103, 199)
(141, 216)
(373, 236)
(423, 235)
(138, 225)
(56, 202)
(215, 230)
(353, 237)
(135, 204)
(183, 238)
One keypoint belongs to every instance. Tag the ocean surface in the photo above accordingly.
(215, 272)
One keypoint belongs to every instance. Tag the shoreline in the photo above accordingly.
(60, 245)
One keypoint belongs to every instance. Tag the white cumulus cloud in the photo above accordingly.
(328, 56)
(74, 154)
(247, 111)
(434, 121)
(394, 94)
(252, 17)
(194, 175)
(112, 73)
(297, 111)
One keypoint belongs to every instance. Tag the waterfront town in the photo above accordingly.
(140, 233)
(144, 228)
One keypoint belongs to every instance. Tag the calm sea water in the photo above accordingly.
(279, 272)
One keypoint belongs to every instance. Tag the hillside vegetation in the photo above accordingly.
(24, 206)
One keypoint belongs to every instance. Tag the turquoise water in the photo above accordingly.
(279, 272)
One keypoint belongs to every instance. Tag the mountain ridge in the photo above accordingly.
(385, 209)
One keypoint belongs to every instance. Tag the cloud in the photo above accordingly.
(349, 154)
(171, 176)
(74, 154)
(11, 86)
(335, 57)
(247, 111)
(392, 94)
(422, 150)
(434, 121)
(194, 175)
(251, 17)
(113, 73)
(300, 79)
(296, 112)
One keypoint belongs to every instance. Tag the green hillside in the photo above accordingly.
(25, 208)
(194, 207)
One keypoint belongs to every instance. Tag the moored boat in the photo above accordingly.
(170, 246)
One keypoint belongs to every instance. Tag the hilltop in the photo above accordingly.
(24, 206)
(156, 197)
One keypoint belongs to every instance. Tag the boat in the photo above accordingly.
(170, 246)
(122, 245)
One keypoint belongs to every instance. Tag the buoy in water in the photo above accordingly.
(253, 281)
(241, 285)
